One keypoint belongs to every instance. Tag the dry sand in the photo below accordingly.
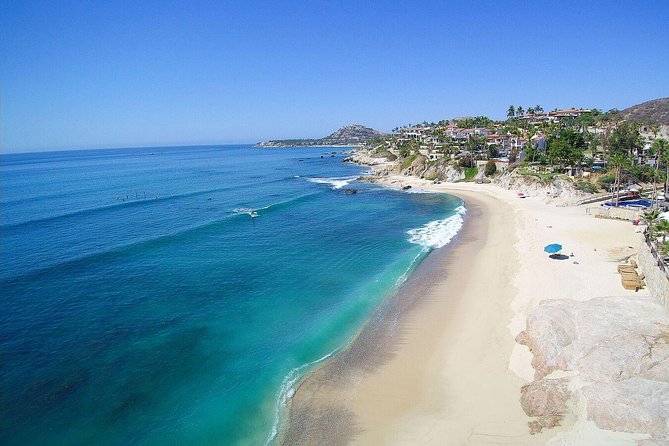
(439, 364)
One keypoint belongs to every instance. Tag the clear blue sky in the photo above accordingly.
(116, 74)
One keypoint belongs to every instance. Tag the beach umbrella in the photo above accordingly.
(553, 248)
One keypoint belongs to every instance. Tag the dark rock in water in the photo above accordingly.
(350, 191)
(331, 156)
(407, 187)
(322, 157)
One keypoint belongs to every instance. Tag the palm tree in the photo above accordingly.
(520, 111)
(662, 226)
(650, 217)
(539, 109)
(618, 160)
(664, 248)
(659, 149)
(511, 112)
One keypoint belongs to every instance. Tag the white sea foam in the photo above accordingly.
(417, 191)
(405, 275)
(337, 183)
(287, 391)
(438, 233)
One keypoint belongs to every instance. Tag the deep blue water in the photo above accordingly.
(141, 303)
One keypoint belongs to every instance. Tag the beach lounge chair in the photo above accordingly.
(629, 278)
(626, 268)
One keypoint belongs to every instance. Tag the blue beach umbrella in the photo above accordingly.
(553, 248)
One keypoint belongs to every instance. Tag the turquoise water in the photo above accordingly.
(141, 303)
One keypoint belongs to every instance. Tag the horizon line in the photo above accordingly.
(122, 147)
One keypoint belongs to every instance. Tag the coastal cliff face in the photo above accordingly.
(617, 364)
(558, 191)
(386, 164)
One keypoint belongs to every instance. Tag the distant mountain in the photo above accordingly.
(651, 112)
(350, 135)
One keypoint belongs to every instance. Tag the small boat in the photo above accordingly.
(521, 195)
(253, 214)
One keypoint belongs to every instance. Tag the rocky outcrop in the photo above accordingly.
(617, 350)
(444, 170)
(367, 158)
(414, 167)
(632, 405)
(546, 401)
(559, 191)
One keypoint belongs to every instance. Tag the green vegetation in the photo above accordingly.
(664, 248)
(490, 168)
(406, 162)
(470, 173)
(542, 145)
(625, 138)
(639, 173)
(586, 186)
(566, 148)
(478, 121)
(605, 181)
(546, 177)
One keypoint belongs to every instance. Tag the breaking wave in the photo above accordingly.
(337, 183)
(438, 233)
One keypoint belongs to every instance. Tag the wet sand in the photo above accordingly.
(439, 348)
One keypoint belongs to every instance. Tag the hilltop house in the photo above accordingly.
(505, 143)
(553, 116)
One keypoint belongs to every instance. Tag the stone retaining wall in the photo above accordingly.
(614, 213)
(656, 279)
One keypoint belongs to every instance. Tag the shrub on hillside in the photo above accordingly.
(605, 181)
(490, 168)
(586, 186)
(641, 173)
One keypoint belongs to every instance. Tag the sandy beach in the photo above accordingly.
(439, 364)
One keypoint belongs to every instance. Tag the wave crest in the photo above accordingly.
(438, 233)
(337, 183)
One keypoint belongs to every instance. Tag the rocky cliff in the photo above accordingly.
(559, 191)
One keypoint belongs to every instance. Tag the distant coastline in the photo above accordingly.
(348, 136)
(279, 145)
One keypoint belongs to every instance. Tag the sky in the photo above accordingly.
(95, 74)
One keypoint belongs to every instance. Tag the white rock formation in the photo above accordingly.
(618, 348)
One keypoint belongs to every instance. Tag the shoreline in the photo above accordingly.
(318, 412)
(451, 371)
(343, 401)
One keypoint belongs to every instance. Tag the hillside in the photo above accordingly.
(349, 135)
(651, 112)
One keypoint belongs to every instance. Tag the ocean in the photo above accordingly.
(144, 302)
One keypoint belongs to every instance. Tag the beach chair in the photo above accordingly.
(631, 281)
(628, 268)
